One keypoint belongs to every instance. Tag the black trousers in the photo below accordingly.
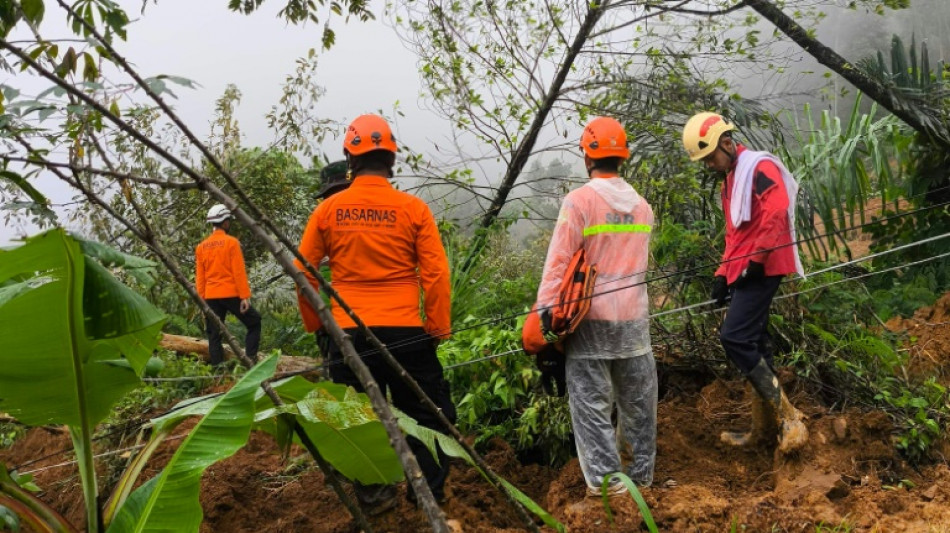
(251, 320)
(415, 351)
(744, 334)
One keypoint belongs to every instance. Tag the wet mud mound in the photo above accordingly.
(928, 340)
(849, 473)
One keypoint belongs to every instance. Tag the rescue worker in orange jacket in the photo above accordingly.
(758, 201)
(384, 250)
(334, 177)
(609, 357)
(221, 281)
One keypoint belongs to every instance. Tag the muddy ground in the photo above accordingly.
(850, 472)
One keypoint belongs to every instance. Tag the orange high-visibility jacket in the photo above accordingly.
(219, 268)
(383, 246)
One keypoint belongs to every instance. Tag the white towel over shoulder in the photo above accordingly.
(740, 209)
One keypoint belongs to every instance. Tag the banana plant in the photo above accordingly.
(343, 426)
(169, 501)
(75, 341)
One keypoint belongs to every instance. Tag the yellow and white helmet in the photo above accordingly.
(701, 134)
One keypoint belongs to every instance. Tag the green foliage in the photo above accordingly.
(864, 365)
(906, 294)
(76, 340)
(497, 281)
(840, 167)
(134, 407)
(502, 397)
(341, 423)
(9, 433)
(169, 501)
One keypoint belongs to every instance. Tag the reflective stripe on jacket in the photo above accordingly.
(765, 238)
(612, 223)
(219, 268)
(383, 246)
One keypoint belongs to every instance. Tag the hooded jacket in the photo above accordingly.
(612, 223)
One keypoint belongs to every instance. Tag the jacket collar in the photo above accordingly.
(370, 180)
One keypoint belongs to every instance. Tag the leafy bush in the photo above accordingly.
(502, 397)
(139, 405)
(863, 364)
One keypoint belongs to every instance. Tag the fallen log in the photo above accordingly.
(192, 345)
(183, 345)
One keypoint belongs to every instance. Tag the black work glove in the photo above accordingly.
(753, 271)
(323, 343)
(546, 328)
(720, 290)
(550, 362)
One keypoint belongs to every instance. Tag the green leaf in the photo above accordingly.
(342, 425)
(142, 270)
(169, 501)
(33, 10)
(27, 188)
(634, 493)
(51, 372)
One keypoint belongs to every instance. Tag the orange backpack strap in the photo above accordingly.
(573, 304)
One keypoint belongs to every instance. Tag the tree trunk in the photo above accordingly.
(526, 146)
(184, 345)
(864, 83)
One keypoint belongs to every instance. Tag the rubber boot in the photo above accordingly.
(792, 431)
(764, 430)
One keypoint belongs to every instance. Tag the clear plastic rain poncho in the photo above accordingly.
(612, 223)
(609, 356)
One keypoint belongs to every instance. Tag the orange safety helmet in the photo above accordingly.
(367, 133)
(604, 137)
(702, 132)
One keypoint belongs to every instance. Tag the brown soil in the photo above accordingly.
(848, 473)
(928, 339)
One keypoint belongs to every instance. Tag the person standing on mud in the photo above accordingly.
(760, 251)
(384, 247)
(609, 357)
(334, 177)
(221, 281)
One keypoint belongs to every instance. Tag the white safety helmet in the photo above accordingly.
(218, 214)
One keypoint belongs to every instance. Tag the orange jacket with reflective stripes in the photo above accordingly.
(383, 246)
(219, 268)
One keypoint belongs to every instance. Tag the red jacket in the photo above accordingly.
(766, 238)
(383, 247)
(219, 268)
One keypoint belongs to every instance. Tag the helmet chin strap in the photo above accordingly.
(732, 156)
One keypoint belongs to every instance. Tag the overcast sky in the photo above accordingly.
(368, 69)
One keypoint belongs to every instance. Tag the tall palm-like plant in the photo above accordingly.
(840, 167)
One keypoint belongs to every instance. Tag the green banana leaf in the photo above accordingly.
(62, 318)
(142, 270)
(169, 501)
(338, 420)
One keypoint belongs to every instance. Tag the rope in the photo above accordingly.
(693, 306)
(98, 455)
(411, 340)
